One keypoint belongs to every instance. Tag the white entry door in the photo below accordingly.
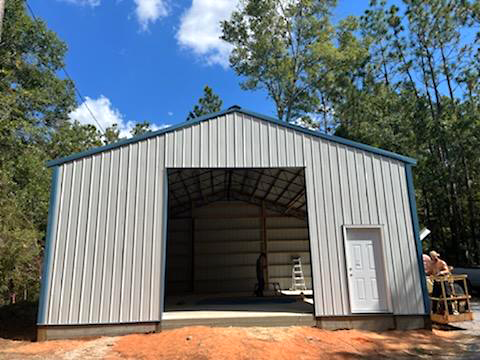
(365, 270)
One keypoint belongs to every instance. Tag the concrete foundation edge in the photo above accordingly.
(364, 322)
(271, 321)
(55, 332)
(375, 322)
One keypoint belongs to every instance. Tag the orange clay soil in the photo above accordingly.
(279, 343)
(59, 346)
(200, 342)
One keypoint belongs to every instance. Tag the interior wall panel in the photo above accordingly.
(226, 248)
(179, 255)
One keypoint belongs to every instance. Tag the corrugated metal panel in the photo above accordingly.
(108, 203)
(107, 252)
(233, 110)
(287, 238)
(226, 249)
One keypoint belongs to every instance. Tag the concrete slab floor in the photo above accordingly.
(219, 314)
(228, 306)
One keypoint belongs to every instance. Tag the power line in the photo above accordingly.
(83, 99)
(70, 78)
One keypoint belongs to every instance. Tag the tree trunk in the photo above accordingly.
(447, 74)
(427, 220)
(425, 83)
(385, 71)
(471, 210)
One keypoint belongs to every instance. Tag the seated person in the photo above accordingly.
(438, 266)
(427, 264)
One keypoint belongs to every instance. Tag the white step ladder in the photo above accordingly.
(298, 281)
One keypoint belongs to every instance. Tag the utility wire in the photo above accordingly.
(84, 102)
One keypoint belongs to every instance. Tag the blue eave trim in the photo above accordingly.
(47, 257)
(416, 232)
(337, 139)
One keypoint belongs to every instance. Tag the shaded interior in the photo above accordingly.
(219, 221)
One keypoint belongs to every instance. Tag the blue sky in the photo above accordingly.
(148, 60)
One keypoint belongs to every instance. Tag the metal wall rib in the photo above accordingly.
(109, 238)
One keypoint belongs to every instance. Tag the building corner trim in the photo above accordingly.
(416, 232)
(47, 257)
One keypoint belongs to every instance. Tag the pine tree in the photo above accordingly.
(207, 104)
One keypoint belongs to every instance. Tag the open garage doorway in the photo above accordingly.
(219, 222)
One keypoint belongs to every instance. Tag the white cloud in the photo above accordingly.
(155, 127)
(200, 29)
(92, 3)
(101, 108)
(106, 115)
(149, 11)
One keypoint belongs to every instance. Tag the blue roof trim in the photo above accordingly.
(233, 109)
(416, 234)
(47, 257)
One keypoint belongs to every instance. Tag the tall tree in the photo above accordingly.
(277, 45)
(112, 134)
(420, 79)
(141, 128)
(30, 56)
(34, 126)
(207, 104)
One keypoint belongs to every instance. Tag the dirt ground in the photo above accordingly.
(462, 341)
(200, 342)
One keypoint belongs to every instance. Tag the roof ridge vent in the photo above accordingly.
(234, 107)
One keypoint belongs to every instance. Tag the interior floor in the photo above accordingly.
(238, 309)
(239, 302)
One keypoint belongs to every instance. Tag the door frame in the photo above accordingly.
(166, 214)
(383, 265)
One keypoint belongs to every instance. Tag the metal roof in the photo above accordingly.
(240, 110)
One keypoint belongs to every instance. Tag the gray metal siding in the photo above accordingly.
(111, 211)
(108, 250)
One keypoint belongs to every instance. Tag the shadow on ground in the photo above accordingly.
(18, 321)
(445, 344)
